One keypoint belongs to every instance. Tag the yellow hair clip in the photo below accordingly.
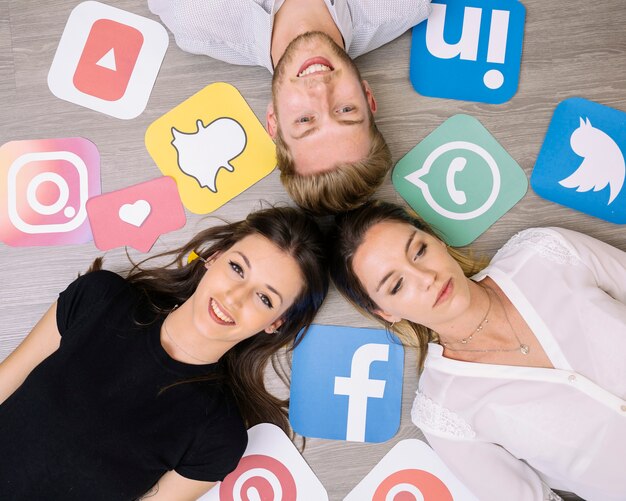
(193, 256)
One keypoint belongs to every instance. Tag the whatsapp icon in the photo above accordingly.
(460, 179)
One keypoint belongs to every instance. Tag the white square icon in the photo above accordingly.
(108, 59)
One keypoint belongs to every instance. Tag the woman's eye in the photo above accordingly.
(397, 287)
(421, 251)
(236, 268)
(303, 120)
(346, 109)
(266, 301)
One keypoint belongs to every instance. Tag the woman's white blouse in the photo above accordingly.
(507, 431)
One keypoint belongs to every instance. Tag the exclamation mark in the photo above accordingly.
(496, 51)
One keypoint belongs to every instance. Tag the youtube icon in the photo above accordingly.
(108, 59)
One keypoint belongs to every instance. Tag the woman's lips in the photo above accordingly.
(444, 293)
(219, 314)
(323, 65)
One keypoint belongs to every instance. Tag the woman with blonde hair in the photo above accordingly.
(149, 382)
(523, 382)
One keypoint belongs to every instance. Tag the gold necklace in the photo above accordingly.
(524, 349)
(480, 327)
(179, 346)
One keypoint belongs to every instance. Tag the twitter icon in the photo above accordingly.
(582, 161)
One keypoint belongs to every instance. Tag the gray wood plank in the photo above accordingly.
(572, 48)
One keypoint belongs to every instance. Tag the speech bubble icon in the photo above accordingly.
(136, 215)
(459, 179)
(203, 153)
(213, 145)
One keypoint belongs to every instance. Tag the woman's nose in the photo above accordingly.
(235, 296)
(424, 277)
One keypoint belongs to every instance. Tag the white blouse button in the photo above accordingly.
(623, 407)
(572, 378)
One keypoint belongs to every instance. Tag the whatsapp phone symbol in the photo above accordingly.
(460, 179)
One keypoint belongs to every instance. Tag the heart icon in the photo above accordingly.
(136, 213)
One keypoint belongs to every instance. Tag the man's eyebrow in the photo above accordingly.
(306, 133)
(312, 130)
(247, 261)
(406, 251)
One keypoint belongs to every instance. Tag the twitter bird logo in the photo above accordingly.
(603, 162)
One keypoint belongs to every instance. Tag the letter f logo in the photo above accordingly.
(358, 387)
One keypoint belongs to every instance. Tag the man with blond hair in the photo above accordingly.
(329, 151)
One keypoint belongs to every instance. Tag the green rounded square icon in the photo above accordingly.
(460, 180)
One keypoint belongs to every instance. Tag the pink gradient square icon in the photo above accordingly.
(137, 215)
(46, 184)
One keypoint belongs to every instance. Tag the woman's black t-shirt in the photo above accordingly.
(96, 419)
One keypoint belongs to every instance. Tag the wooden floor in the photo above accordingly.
(572, 48)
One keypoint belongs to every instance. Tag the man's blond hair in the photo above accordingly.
(344, 187)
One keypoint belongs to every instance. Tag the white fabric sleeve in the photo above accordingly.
(606, 263)
(377, 23)
(221, 29)
(490, 472)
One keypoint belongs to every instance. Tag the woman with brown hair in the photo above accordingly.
(523, 382)
(149, 381)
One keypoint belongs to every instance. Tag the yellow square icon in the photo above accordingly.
(213, 145)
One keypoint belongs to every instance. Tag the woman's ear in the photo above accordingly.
(274, 326)
(392, 319)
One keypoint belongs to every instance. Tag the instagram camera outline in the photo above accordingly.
(83, 176)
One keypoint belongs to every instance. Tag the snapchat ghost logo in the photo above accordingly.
(213, 145)
(203, 153)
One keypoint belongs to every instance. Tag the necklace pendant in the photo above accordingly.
(524, 349)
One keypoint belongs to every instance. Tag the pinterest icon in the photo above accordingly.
(271, 469)
(412, 485)
(411, 471)
(258, 477)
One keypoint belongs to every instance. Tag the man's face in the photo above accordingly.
(320, 104)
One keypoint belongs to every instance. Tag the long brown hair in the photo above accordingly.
(348, 235)
(173, 283)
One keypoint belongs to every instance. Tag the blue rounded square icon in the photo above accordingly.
(346, 384)
(581, 162)
(469, 50)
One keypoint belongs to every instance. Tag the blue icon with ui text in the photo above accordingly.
(469, 50)
(346, 384)
(582, 160)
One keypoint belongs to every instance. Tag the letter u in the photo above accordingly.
(466, 47)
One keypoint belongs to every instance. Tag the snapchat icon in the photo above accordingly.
(213, 145)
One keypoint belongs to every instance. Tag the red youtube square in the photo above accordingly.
(108, 59)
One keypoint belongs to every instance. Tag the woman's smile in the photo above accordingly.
(219, 313)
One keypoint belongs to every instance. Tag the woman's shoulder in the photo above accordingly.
(433, 417)
(551, 243)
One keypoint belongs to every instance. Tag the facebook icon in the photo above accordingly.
(346, 384)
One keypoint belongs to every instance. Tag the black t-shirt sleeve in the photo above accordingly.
(219, 447)
(85, 294)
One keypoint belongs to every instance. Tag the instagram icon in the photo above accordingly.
(44, 186)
